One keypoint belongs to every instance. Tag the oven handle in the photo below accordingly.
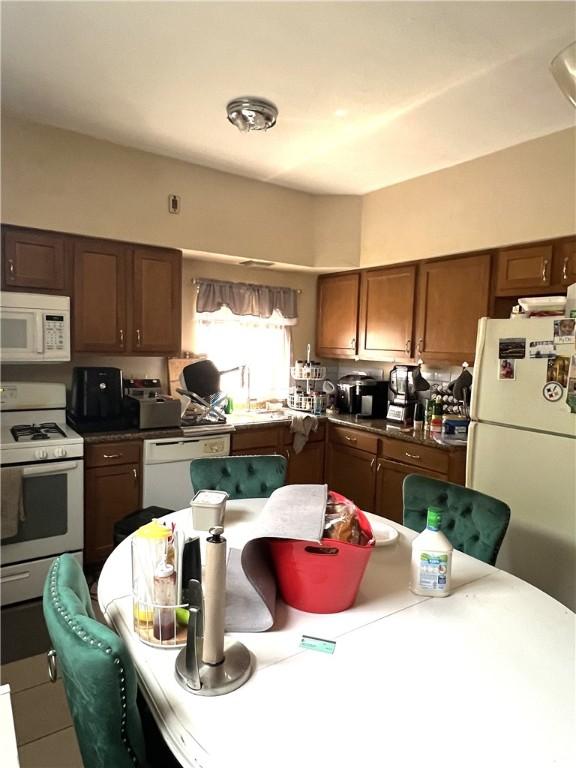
(50, 469)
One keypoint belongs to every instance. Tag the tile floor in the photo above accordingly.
(44, 731)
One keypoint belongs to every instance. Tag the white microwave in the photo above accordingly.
(34, 327)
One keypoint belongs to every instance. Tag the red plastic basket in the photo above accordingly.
(325, 577)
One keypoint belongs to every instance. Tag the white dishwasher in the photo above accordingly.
(167, 464)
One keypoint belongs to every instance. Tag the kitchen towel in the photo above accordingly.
(11, 499)
(291, 512)
(302, 424)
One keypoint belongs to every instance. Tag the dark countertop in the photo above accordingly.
(379, 427)
(385, 428)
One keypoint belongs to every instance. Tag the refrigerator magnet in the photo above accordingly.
(509, 349)
(507, 370)
(564, 332)
(571, 388)
(552, 391)
(542, 349)
(557, 370)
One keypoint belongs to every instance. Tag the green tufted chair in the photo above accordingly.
(99, 677)
(474, 523)
(242, 477)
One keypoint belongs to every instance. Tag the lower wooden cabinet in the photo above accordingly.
(112, 490)
(306, 467)
(389, 479)
(352, 473)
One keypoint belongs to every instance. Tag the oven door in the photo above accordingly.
(53, 494)
(22, 337)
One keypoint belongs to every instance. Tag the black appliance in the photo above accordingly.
(95, 401)
(363, 395)
(405, 382)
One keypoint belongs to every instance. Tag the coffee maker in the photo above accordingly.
(402, 392)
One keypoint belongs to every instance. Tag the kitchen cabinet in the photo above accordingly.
(100, 310)
(385, 325)
(157, 280)
(35, 261)
(351, 464)
(337, 315)
(126, 299)
(522, 271)
(112, 490)
(306, 467)
(256, 440)
(453, 294)
(564, 263)
(389, 481)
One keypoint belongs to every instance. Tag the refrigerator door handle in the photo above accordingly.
(470, 457)
(478, 366)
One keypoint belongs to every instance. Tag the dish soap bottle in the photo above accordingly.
(431, 565)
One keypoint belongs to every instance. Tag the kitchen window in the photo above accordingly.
(230, 337)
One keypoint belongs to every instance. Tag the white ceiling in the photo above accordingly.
(425, 85)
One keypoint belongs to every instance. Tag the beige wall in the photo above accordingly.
(524, 193)
(56, 179)
(302, 332)
(337, 223)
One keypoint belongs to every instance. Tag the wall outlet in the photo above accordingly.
(174, 203)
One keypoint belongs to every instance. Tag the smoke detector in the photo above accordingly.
(250, 113)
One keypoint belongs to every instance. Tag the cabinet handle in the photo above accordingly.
(11, 267)
(288, 454)
(138, 339)
(353, 342)
(419, 346)
(121, 337)
(407, 347)
(112, 455)
(411, 455)
(372, 463)
(565, 270)
(544, 270)
(350, 439)
(378, 468)
(135, 473)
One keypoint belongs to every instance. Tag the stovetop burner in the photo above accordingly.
(44, 431)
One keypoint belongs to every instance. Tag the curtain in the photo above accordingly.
(247, 299)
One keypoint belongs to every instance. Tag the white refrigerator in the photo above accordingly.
(522, 449)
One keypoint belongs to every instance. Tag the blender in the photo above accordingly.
(405, 381)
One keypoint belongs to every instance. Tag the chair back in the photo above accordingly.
(99, 678)
(242, 477)
(474, 523)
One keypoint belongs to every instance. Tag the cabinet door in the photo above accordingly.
(34, 261)
(452, 296)
(99, 313)
(386, 313)
(352, 473)
(337, 318)
(307, 466)
(389, 479)
(157, 301)
(110, 494)
(524, 270)
(565, 263)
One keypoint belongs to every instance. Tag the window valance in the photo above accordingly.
(246, 299)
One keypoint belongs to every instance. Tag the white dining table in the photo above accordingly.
(484, 677)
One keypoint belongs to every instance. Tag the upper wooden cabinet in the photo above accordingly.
(337, 318)
(100, 317)
(452, 295)
(157, 276)
(35, 261)
(564, 263)
(386, 313)
(524, 270)
(126, 299)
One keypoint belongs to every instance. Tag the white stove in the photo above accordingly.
(41, 460)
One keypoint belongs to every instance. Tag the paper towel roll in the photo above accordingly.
(214, 597)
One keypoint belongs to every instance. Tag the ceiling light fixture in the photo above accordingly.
(563, 67)
(251, 113)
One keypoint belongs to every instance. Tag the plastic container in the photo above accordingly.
(208, 509)
(431, 562)
(321, 578)
(534, 304)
